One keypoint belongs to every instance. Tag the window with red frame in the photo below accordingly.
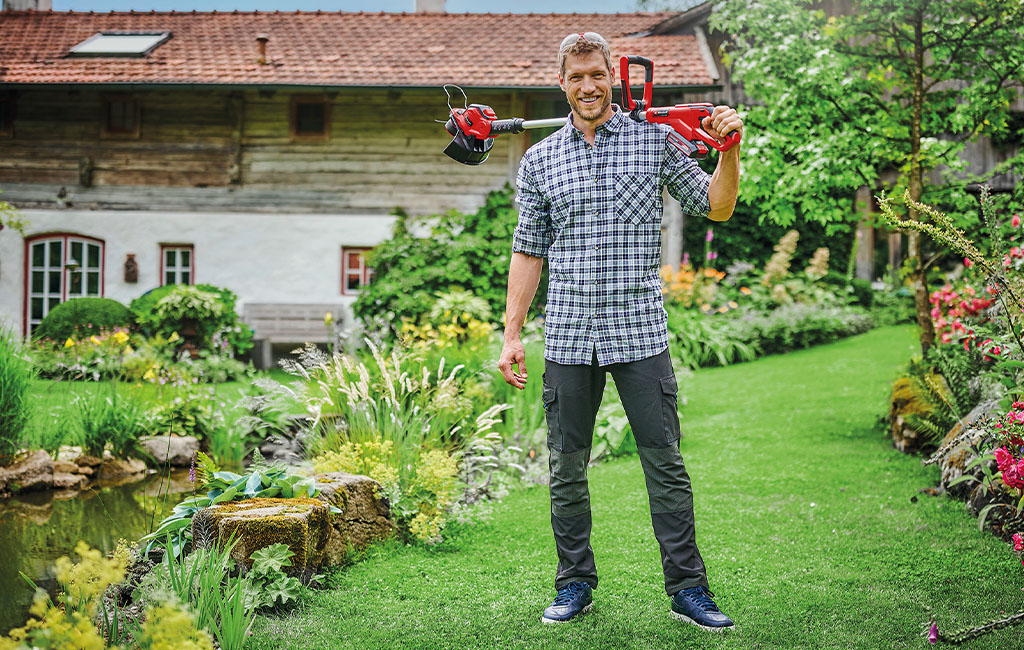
(60, 267)
(177, 264)
(354, 272)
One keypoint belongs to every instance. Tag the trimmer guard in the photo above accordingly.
(469, 150)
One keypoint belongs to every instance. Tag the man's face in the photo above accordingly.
(587, 83)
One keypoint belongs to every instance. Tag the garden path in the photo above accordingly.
(811, 525)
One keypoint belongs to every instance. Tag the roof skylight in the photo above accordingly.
(119, 44)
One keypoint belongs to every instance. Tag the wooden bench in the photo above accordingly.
(294, 323)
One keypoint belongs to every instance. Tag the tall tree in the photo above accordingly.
(867, 88)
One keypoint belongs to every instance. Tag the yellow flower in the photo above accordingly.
(732, 304)
(705, 307)
(94, 339)
(174, 337)
(328, 319)
(745, 291)
(150, 375)
(121, 338)
(69, 343)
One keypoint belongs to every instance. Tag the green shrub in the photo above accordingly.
(15, 380)
(83, 317)
(104, 416)
(798, 325)
(469, 251)
(697, 340)
(161, 310)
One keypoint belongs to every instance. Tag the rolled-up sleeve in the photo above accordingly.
(533, 234)
(686, 182)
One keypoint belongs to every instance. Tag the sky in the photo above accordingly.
(452, 6)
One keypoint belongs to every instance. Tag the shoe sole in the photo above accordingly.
(683, 617)
(552, 621)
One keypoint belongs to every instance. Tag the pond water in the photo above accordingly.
(37, 528)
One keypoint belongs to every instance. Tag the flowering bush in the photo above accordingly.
(689, 287)
(951, 307)
(403, 424)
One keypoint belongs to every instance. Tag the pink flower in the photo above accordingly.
(1015, 222)
(710, 235)
(1012, 478)
(1018, 542)
(1006, 262)
(1003, 459)
(686, 258)
(933, 634)
(968, 263)
(936, 312)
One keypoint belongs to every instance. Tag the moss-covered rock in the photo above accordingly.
(906, 400)
(365, 515)
(302, 524)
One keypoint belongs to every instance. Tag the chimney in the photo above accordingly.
(22, 5)
(261, 44)
(427, 6)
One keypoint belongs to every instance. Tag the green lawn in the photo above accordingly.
(810, 523)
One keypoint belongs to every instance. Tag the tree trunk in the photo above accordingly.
(917, 276)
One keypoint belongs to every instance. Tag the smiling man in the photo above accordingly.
(590, 202)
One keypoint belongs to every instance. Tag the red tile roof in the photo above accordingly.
(333, 49)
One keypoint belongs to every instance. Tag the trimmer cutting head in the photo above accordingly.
(468, 149)
(471, 128)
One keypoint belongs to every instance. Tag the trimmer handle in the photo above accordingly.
(628, 103)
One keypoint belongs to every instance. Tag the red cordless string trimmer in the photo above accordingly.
(474, 127)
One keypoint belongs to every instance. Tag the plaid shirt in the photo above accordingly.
(595, 213)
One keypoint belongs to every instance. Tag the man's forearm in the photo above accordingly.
(523, 278)
(725, 185)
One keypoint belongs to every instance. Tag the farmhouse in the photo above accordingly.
(264, 152)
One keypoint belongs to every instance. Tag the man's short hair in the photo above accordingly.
(582, 44)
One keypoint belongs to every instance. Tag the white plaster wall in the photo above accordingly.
(290, 258)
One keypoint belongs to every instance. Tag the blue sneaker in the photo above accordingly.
(694, 605)
(572, 599)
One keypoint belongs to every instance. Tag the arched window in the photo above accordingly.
(59, 267)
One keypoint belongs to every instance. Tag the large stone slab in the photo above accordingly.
(176, 451)
(32, 472)
(121, 468)
(303, 524)
(365, 514)
(960, 447)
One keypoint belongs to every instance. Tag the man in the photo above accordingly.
(590, 201)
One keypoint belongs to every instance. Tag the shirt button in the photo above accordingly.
(597, 248)
(595, 281)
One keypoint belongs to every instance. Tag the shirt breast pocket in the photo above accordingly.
(636, 197)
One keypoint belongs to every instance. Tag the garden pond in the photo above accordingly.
(38, 527)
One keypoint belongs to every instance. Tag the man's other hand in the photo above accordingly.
(513, 363)
(723, 121)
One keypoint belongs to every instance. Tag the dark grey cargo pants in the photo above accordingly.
(647, 388)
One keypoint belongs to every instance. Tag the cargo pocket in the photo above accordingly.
(550, 397)
(670, 409)
(636, 196)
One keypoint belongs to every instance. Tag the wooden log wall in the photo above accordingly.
(384, 150)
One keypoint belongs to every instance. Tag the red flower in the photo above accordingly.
(1012, 478)
(1018, 542)
(968, 263)
(1004, 459)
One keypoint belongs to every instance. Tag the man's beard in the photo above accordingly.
(593, 111)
